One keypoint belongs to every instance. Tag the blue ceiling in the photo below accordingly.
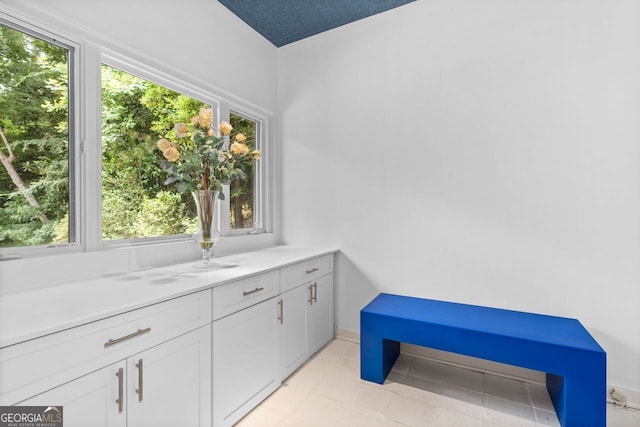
(286, 21)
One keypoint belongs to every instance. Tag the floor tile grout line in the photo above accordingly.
(348, 356)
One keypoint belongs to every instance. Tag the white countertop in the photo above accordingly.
(30, 314)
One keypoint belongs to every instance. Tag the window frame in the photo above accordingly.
(259, 182)
(87, 54)
(75, 143)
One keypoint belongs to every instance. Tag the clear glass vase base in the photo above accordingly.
(214, 265)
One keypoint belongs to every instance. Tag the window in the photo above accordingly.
(75, 178)
(136, 204)
(242, 204)
(37, 197)
(135, 114)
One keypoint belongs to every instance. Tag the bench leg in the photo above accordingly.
(377, 356)
(579, 402)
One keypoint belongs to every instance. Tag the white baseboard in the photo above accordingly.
(486, 366)
(348, 335)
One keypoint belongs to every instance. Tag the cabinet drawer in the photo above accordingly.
(305, 271)
(34, 366)
(243, 293)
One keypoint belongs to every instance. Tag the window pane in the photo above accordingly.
(135, 114)
(34, 143)
(242, 198)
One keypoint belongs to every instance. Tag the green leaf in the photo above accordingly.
(166, 165)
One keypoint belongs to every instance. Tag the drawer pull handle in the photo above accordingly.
(139, 390)
(120, 399)
(315, 292)
(245, 293)
(281, 317)
(313, 270)
(126, 337)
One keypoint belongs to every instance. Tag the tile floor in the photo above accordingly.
(328, 391)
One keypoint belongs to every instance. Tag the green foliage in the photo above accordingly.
(61, 231)
(128, 150)
(33, 115)
(164, 215)
(135, 113)
(20, 225)
(120, 206)
(168, 108)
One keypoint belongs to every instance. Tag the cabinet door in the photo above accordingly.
(244, 361)
(170, 384)
(90, 400)
(320, 315)
(293, 328)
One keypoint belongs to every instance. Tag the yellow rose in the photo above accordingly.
(163, 144)
(210, 132)
(237, 148)
(225, 128)
(172, 154)
(256, 154)
(205, 116)
(241, 138)
(181, 130)
(194, 120)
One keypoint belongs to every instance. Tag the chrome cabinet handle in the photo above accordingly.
(315, 291)
(245, 293)
(310, 300)
(126, 337)
(313, 270)
(120, 399)
(140, 379)
(281, 316)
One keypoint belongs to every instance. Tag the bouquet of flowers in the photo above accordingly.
(203, 159)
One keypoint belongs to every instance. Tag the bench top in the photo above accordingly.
(552, 330)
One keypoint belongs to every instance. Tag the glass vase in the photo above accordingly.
(208, 228)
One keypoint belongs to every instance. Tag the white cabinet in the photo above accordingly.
(320, 315)
(89, 401)
(307, 322)
(306, 271)
(150, 366)
(293, 326)
(170, 384)
(198, 359)
(244, 361)
(306, 305)
(166, 385)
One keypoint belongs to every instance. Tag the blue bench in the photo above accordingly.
(562, 348)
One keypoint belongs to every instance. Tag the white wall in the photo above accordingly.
(481, 152)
